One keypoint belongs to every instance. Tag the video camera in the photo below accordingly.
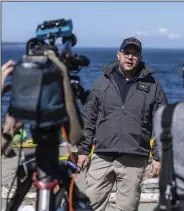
(37, 94)
(52, 30)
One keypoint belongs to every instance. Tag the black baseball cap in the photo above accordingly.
(131, 41)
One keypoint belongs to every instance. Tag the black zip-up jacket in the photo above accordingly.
(118, 127)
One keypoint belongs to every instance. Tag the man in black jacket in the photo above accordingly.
(118, 118)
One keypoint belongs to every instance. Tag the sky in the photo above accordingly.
(100, 24)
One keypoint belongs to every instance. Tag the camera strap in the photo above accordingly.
(167, 184)
(76, 132)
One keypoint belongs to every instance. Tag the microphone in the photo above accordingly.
(72, 162)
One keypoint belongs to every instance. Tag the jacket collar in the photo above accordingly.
(144, 70)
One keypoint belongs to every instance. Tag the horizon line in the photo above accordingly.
(147, 47)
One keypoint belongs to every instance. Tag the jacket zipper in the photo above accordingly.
(123, 103)
(103, 100)
(122, 108)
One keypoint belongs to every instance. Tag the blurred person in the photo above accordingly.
(9, 125)
(183, 73)
(173, 126)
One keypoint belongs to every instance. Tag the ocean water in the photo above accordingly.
(165, 63)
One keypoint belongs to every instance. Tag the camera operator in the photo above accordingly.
(175, 143)
(10, 126)
(182, 70)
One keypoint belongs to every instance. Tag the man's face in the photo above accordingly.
(129, 58)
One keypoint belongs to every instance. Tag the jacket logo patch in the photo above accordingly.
(143, 87)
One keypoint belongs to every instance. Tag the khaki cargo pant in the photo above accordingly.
(127, 171)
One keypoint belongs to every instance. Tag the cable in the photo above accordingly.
(71, 187)
(67, 143)
(71, 191)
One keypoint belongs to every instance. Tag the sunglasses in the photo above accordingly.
(134, 55)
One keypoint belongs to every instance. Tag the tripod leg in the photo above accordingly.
(22, 189)
(47, 154)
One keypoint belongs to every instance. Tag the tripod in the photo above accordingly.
(45, 172)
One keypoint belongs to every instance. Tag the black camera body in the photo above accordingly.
(37, 88)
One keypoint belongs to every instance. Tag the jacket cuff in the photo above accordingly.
(83, 152)
(156, 158)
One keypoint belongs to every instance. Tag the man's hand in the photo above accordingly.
(50, 54)
(155, 165)
(82, 161)
(9, 129)
(52, 57)
(7, 68)
(10, 125)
